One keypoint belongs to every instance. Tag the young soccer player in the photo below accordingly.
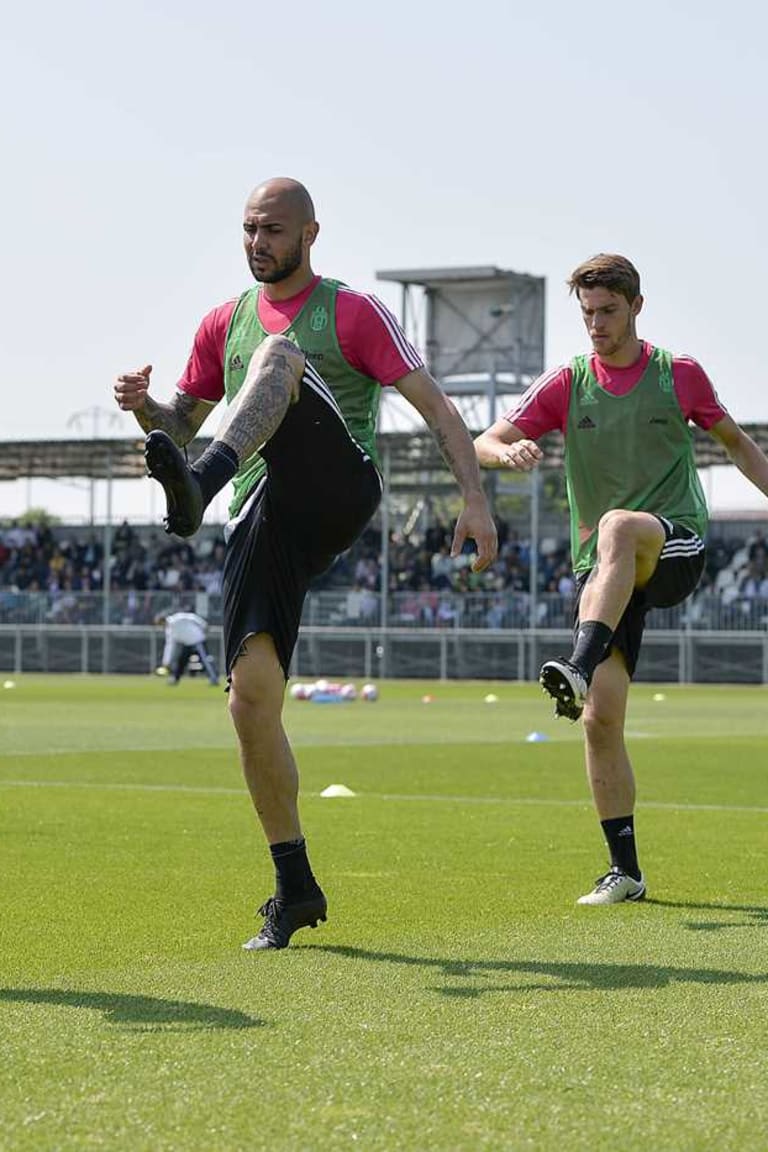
(638, 520)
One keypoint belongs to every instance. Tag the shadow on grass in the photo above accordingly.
(758, 915)
(140, 1013)
(558, 976)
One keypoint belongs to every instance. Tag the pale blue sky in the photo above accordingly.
(528, 136)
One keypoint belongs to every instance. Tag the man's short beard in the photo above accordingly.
(617, 345)
(282, 271)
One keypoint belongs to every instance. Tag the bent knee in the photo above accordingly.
(602, 727)
(639, 531)
(245, 695)
(642, 526)
(281, 350)
(256, 679)
(618, 522)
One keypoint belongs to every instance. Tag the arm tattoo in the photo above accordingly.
(444, 447)
(180, 418)
(457, 449)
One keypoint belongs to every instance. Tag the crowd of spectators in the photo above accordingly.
(428, 579)
(62, 563)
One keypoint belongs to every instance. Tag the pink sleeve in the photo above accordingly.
(203, 376)
(695, 393)
(544, 406)
(371, 339)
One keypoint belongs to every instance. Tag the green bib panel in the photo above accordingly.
(633, 451)
(314, 332)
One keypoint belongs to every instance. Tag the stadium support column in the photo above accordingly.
(106, 567)
(533, 566)
(491, 478)
(384, 568)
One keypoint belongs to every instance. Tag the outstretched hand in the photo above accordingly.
(476, 523)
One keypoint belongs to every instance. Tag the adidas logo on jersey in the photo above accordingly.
(585, 422)
(235, 362)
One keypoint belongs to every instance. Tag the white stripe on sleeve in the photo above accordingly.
(407, 351)
(531, 394)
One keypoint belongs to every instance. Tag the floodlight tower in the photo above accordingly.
(480, 329)
(481, 332)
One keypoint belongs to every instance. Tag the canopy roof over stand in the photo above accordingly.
(410, 454)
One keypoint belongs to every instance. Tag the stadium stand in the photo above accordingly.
(57, 565)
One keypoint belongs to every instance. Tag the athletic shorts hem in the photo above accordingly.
(675, 577)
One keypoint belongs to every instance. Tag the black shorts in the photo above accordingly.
(677, 573)
(319, 492)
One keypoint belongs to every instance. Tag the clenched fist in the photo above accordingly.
(523, 455)
(131, 389)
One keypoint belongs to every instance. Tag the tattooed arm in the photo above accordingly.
(455, 444)
(181, 417)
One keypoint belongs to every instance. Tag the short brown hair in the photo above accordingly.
(607, 270)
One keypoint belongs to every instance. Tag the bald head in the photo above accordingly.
(279, 230)
(287, 196)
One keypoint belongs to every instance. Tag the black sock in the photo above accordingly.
(592, 641)
(620, 837)
(294, 880)
(214, 468)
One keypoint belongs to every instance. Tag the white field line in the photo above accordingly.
(532, 801)
(570, 735)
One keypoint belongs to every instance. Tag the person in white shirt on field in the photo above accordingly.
(184, 638)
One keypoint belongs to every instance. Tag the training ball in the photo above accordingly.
(298, 692)
(369, 692)
(348, 692)
(491, 698)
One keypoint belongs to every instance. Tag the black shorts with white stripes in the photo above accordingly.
(319, 492)
(677, 573)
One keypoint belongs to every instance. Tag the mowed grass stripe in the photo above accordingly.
(112, 713)
(538, 801)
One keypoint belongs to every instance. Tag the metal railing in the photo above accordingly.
(422, 610)
(446, 635)
(344, 652)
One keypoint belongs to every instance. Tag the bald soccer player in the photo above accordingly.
(300, 361)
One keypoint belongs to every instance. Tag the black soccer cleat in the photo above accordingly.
(567, 686)
(183, 495)
(281, 920)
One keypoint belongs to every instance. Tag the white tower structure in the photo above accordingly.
(481, 332)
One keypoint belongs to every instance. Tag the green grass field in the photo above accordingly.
(456, 999)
